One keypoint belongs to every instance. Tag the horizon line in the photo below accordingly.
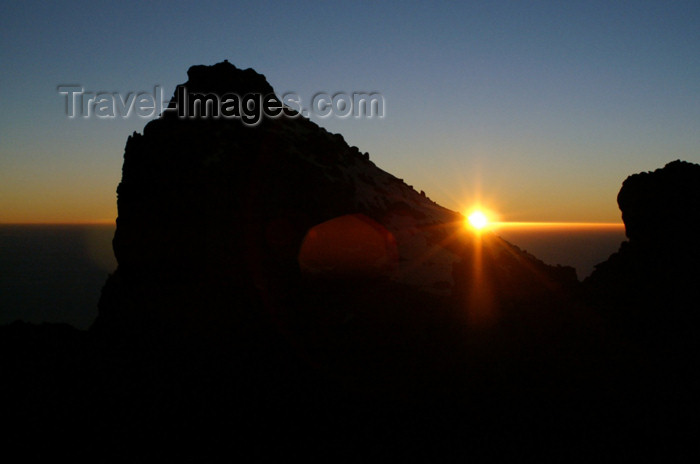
(535, 224)
(60, 223)
(495, 224)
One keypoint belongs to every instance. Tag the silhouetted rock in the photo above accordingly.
(650, 286)
(652, 279)
(213, 212)
(662, 207)
(649, 290)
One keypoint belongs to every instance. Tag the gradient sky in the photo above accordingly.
(541, 109)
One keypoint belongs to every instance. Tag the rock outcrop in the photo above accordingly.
(649, 292)
(213, 212)
(661, 208)
(652, 279)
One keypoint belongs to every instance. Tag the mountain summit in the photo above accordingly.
(211, 204)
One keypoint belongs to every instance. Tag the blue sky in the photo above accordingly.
(540, 109)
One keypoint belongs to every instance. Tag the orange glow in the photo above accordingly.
(87, 222)
(557, 225)
(478, 220)
(481, 304)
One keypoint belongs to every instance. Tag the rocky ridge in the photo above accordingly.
(217, 201)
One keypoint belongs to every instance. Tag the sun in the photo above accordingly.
(478, 220)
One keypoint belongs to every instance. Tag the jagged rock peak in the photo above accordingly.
(657, 206)
(225, 77)
(221, 79)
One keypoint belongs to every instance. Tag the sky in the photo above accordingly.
(537, 109)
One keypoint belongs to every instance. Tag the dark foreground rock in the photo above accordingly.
(649, 289)
(216, 339)
(650, 286)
